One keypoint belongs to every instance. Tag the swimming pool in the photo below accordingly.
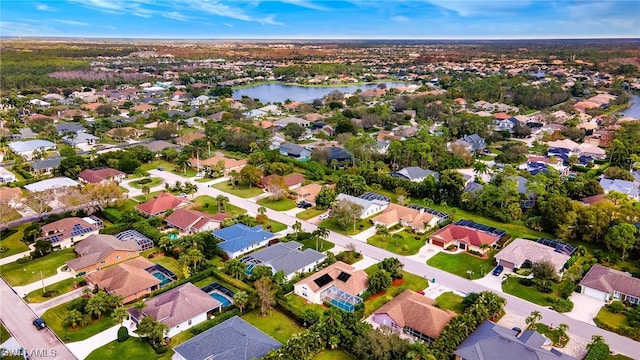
(220, 293)
(223, 299)
(163, 279)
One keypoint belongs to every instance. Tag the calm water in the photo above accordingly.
(279, 92)
(634, 109)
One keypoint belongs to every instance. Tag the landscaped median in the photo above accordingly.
(18, 273)
(463, 264)
(150, 182)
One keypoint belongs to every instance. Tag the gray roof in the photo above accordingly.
(62, 128)
(30, 145)
(285, 256)
(159, 145)
(79, 138)
(621, 186)
(234, 339)
(414, 172)
(53, 183)
(496, 342)
(292, 149)
(473, 187)
(48, 163)
(96, 247)
(475, 141)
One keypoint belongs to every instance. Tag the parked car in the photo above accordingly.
(182, 195)
(304, 205)
(160, 169)
(324, 217)
(39, 324)
(498, 270)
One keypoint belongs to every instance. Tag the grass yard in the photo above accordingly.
(361, 225)
(401, 243)
(411, 281)
(62, 287)
(323, 245)
(450, 301)
(333, 355)
(240, 191)
(132, 349)
(11, 239)
(614, 321)
(555, 334)
(529, 293)
(167, 166)
(153, 182)
(310, 213)
(619, 357)
(459, 264)
(276, 324)
(283, 204)
(208, 204)
(301, 304)
(4, 334)
(169, 263)
(275, 226)
(55, 316)
(23, 274)
(144, 198)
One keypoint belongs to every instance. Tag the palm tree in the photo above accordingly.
(563, 328)
(139, 306)
(533, 319)
(235, 268)
(320, 233)
(241, 300)
(222, 201)
(480, 168)
(262, 210)
(297, 227)
(138, 173)
(120, 314)
(145, 190)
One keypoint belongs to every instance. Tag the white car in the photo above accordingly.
(324, 216)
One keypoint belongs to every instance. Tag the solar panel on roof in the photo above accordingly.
(344, 276)
(323, 280)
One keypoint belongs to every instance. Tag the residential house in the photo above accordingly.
(64, 128)
(98, 251)
(271, 109)
(472, 143)
(415, 315)
(157, 146)
(591, 151)
(228, 164)
(27, 148)
(621, 186)
(415, 174)
(65, 233)
(521, 252)
(309, 192)
(493, 341)
(287, 257)
(6, 176)
(295, 151)
(292, 181)
(240, 239)
(417, 219)
(9, 195)
(369, 207)
(23, 133)
(80, 140)
(46, 166)
(50, 184)
(607, 284)
(464, 237)
(336, 281)
(129, 279)
(189, 138)
(101, 176)
(234, 339)
(180, 308)
(160, 205)
(192, 221)
(125, 133)
(292, 120)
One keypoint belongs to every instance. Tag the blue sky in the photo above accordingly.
(318, 19)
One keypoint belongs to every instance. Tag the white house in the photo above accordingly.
(287, 257)
(27, 148)
(6, 176)
(80, 139)
(335, 278)
(369, 207)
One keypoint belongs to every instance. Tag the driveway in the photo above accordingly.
(492, 282)
(365, 263)
(585, 308)
(364, 235)
(426, 252)
(434, 290)
(82, 349)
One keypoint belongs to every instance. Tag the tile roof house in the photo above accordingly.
(415, 174)
(338, 276)
(98, 251)
(193, 221)
(493, 341)
(521, 251)
(292, 120)
(292, 181)
(100, 176)
(414, 315)
(180, 308)
(309, 192)
(606, 284)
(287, 257)
(418, 220)
(234, 339)
(66, 232)
(159, 145)
(229, 164)
(129, 279)
(621, 186)
(369, 207)
(80, 139)
(240, 239)
(189, 138)
(162, 203)
(464, 237)
(9, 195)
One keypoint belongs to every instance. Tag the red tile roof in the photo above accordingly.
(463, 234)
(160, 204)
(186, 218)
(97, 176)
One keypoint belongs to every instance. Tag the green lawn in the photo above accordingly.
(401, 243)
(155, 181)
(4, 334)
(323, 245)
(554, 334)
(619, 357)
(615, 321)
(333, 355)
(276, 324)
(361, 225)
(208, 204)
(529, 293)
(411, 281)
(169, 263)
(23, 274)
(275, 226)
(240, 191)
(12, 240)
(450, 301)
(301, 304)
(283, 204)
(62, 287)
(144, 198)
(310, 213)
(55, 316)
(167, 166)
(132, 349)
(459, 264)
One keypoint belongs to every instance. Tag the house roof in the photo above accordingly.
(66, 228)
(99, 175)
(159, 145)
(30, 145)
(493, 341)
(366, 204)
(289, 180)
(240, 236)
(563, 144)
(621, 186)
(228, 163)
(520, 250)
(292, 149)
(125, 279)
(464, 234)
(53, 183)
(475, 141)
(189, 138)
(7, 194)
(97, 247)
(309, 191)
(590, 200)
(162, 203)
(415, 172)
(178, 305)
(285, 256)
(234, 339)
(186, 218)
(48, 163)
(355, 284)
(395, 213)
(609, 280)
(417, 312)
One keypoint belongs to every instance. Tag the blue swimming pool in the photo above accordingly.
(163, 279)
(223, 299)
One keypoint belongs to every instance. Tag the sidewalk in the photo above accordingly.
(13, 258)
(82, 349)
(61, 275)
(40, 308)
(364, 235)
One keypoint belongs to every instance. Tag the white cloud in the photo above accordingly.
(8, 28)
(470, 8)
(305, 4)
(175, 16)
(227, 25)
(400, 19)
(44, 7)
(214, 7)
(71, 22)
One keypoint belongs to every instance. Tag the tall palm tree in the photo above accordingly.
(222, 201)
(145, 190)
(120, 314)
(241, 300)
(480, 168)
(320, 233)
(262, 210)
(297, 227)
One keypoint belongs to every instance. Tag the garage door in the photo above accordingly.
(506, 264)
(438, 243)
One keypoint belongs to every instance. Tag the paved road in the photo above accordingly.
(17, 317)
(515, 305)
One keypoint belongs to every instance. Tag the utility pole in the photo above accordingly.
(44, 290)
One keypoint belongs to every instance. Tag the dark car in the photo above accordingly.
(39, 324)
(160, 169)
(498, 270)
(304, 205)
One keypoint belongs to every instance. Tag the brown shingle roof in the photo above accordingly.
(125, 279)
(520, 250)
(289, 180)
(97, 247)
(394, 213)
(417, 312)
(162, 203)
(97, 176)
(64, 227)
(356, 284)
(185, 218)
(228, 163)
(189, 138)
(608, 280)
(463, 234)
(7, 194)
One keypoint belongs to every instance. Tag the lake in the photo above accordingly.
(634, 109)
(280, 92)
